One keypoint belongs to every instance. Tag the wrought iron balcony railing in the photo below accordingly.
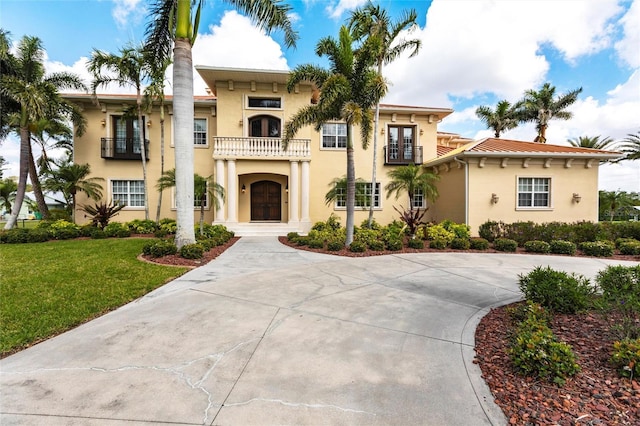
(263, 148)
(123, 149)
(411, 154)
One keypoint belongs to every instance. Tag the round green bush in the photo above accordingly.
(479, 244)
(98, 234)
(161, 233)
(293, 236)
(66, 233)
(631, 248)
(38, 235)
(394, 244)
(562, 247)
(537, 246)
(598, 248)
(335, 245)
(415, 243)
(376, 245)
(159, 248)
(557, 290)
(14, 236)
(505, 244)
(461, 244)
(438, 243)
(302, 240)
(191, 251)
(316, 243)
(358, 247)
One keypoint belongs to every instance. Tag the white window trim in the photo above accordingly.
(129, 208)
(207, 206)
(173, 127)
(329, 148)
(422, 206)
(247, 107)
(375, 208)
(534, 208)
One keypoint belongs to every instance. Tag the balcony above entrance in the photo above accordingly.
(260, 148)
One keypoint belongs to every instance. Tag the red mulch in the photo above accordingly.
(175, 260)
(595, 396)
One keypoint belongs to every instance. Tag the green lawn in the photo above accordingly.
(48, 288)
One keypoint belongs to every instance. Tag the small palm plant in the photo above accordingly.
(101, 213)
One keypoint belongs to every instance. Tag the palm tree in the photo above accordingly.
(505, 117)
(8, 188)
(338, 187)
(631, 146)
(412, 179)
(349, 90)
(38, 98)
(373, 22)
(172, 31)
(129, 68)
(542, 106)
(203, 186)
(613, 201)
(593, 142)
(70, 178)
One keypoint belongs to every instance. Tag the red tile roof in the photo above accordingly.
(442, 150)
(493, 145)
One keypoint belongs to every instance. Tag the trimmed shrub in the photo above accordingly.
(620, 241)
(630, 248)
(358, 247)
(415, 243)
(438, 243)
(491, 230)
(160, 233)
(557, 290)
(159, 248)
(316, 243)
(479, 244)
(505, 244)
(537, 246)
(115, 229)
(562, 247)
(302, 240)
(98, 234)
(439, 232)
(461, 244)
(140, 226)
(598, 248)
(620, 286)
(366, 235)
(64, 230)
(335, 245)
(460, 230)
(394, 244)
(14, 236)
(529, 309)
(191, 251)
(38, 235)
(376, 245)
(626, 357)
(293, 236)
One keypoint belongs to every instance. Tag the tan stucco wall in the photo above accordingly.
(450, 203)
(503, 181)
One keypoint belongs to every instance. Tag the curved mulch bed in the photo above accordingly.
(175, 260)
(595, 396)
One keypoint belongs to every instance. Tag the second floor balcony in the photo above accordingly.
(123, 149)
(260, 148)
(394, 155)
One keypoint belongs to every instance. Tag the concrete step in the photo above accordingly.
(255, 229)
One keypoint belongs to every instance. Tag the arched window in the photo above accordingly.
(264, 126)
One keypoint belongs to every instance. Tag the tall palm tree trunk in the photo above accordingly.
(351, 186)
(37, 188)
(376, 122)
(143, 153)
(161, 158)
(183, 119)
(25, 145)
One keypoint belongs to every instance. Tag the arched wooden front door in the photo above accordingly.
(266, 197)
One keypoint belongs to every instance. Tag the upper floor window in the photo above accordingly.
(264, 126)
(534, 192)
(400, 144)
(274, 103)
(363, 195)
(334, 135)
(126, 135)
(128, 192)
(200, 131)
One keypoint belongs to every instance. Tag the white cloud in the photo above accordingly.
(336, 9)
(237, 43)
(126, 12)
(628, 48)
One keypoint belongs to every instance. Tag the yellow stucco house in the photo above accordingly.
(237, 140)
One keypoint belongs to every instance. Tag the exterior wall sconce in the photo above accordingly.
(421, 132)
(494, 198)
(286, 188)
(240, 122)
(149, 123)
(244, 188)
(576, 198)
(382, 131)
(103, 122)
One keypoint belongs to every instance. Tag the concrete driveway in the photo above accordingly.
(269, 335)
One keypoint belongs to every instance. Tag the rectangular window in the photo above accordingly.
(418, 199)
(273, 103)
(334, 135)
(534, 192)
(363, 196)
(128, 192)
(200, 131)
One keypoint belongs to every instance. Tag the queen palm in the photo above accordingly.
(373, 21)
(505, 117)
(613, 201)
(203, 186)
(37, 96)
(173, 30)
(349, 90)
(8, 188)
(130, 68)
(70, 178)
(542, 106)
(593, 142)
(338, 189)
(631, 146)
(412, 179)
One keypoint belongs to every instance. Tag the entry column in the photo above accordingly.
(293, 193)
(305, 191)
(232, 192)
(220, 181)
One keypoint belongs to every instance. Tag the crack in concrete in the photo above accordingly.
(300, 404)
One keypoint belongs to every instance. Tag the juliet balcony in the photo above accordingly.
(260, 148)
(123, 149)
(402, 156)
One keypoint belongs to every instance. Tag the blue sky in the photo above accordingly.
(475, 52)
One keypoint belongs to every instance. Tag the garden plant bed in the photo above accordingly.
(176, 260)
(595, 396)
